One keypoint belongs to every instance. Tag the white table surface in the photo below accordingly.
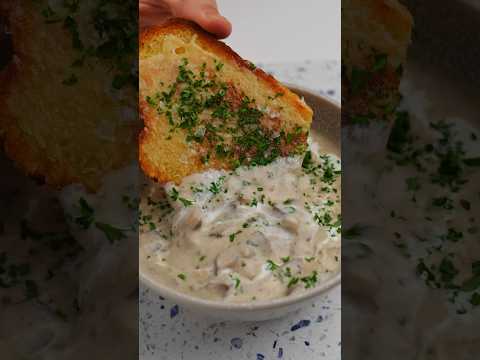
(168, 335)
(272, 31)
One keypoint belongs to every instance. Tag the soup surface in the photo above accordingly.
(252, 234)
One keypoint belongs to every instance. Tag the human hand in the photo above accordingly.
(203, 12)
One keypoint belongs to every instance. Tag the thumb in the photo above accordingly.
(204, 13)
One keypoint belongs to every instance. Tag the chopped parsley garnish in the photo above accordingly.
(182, 276)
(216, 187)
(443, 202)
(87, 218)
(86, 214)
(311, 280)
(354, 231)
(452, 235)
(112, 233)
(292, 282)
(236, 282)
(231, 237)
(233, 131)
(175, 196)
(326, 219)
(272, 266)
(307, 160)
(218, 66)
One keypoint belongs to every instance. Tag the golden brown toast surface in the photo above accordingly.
(205, 107)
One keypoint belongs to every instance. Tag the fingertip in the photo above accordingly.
(205, 14)
(224, 28)
(227, 28)
(217, 25)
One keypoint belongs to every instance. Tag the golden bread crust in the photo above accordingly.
(165, 155)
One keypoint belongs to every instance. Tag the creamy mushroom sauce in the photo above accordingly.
(255, 233)
(72, 293)
(413, 229)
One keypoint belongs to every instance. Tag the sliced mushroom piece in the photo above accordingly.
(219, 289)
(246, 251)
(290, 224)
(258, 240)
(199, 278)
(249, 268)
(222, 284)
(187, 220)
(303, 247)
(227, 259)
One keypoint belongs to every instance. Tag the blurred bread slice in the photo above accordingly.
(59, 122)
(375, 39)
(253, 119)
(382, 25)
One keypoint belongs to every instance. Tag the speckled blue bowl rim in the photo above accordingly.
(185, 299)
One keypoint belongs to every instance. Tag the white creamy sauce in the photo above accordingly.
(402, 216)
(82, 300)
(252, 234)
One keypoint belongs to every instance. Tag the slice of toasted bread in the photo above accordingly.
(204, 107)
(375, 38)
(60, 122)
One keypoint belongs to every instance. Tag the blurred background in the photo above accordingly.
(278, 31)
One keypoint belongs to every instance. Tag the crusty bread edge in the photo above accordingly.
(14, 143)
(224, 51)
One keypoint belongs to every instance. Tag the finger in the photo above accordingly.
(153, 13)
(204, 13)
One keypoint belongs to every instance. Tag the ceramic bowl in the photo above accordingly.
(326, 122)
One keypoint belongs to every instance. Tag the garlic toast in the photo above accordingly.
(68, 98)
(204, 107)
